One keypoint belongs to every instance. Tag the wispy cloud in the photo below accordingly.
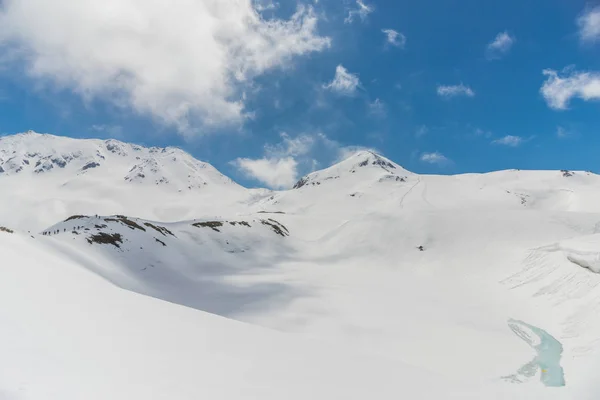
(361, 11)
(112, 131)
(347, 151)
(559, 90)
(510, 141)
(454, 91)
(265, 5)
(589, 25)
(435, 158)
(483, 133)
(500, 46)
(292, 146)
(344, 82)
(394, 38)
(377, 108)
(421, 131)
(563, 133)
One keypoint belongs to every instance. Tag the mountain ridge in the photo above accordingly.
(65, 176)
(40, 153)
(97, 150)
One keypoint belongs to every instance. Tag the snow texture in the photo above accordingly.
(364, 281)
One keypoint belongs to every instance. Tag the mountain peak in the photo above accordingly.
(362, 165)
(29, 133)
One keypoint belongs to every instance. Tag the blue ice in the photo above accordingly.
(547, 359)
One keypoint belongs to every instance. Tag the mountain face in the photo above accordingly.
(487, 284)
(37, 154)
(62, 176)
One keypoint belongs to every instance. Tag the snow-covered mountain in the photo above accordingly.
(467, 286)
(60, 176)
(34, 153)
(367, 166)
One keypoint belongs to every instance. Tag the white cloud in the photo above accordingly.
(509, 140)
(558, 91)
(362, 11)
(589, 25)
(277, 173)
(395, 38)
(283, 163)
(500, 46)
(186, 65)
(455, 90)
(344, 82)
(435, 158)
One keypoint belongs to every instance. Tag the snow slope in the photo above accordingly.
(69, 335)
(422, 271)
(192, 263)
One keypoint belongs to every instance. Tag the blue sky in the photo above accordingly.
(437, 86)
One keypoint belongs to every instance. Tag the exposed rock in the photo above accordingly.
(90, 165)
(104, 238)
(214, 225)
(126, 221)
(160, 229)
(73, 217)
(243, 223)
(276, 226)
(301, 183)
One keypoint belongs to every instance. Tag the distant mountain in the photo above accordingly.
(60, 176)
(34, 153)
